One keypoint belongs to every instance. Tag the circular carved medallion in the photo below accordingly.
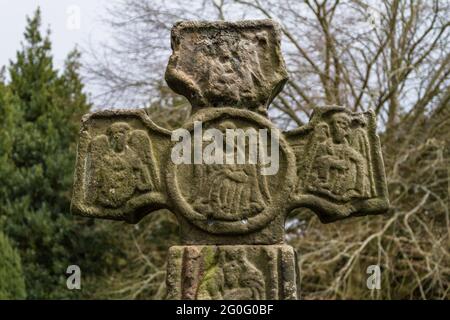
(245, 190)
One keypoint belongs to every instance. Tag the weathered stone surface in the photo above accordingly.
(339, 165)
(232, 272)
(118, 169)
(232, 199)
(231, 215)
(227, 64)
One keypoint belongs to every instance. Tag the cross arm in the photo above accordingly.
(118, 168)
(340, 167)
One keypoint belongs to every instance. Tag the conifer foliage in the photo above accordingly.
(40, 112)
(12, 284)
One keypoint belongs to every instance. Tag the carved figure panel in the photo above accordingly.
(339, 164)
(224, 64)
(236, 197)
(232, 272)
(232, 191)
(117, 172)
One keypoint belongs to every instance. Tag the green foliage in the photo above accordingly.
(40, 111)
(12, 284)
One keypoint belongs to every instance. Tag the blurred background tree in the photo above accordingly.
(12, 283)
(390, 56)
(40, 112)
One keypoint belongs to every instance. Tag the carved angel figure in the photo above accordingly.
(121, 164)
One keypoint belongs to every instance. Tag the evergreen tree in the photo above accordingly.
(41, 111)
(12, 284)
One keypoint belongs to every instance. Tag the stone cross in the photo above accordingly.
(231, 215)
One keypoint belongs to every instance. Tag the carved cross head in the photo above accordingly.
(225, 64)
(228, 174)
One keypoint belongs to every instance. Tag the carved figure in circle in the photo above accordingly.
(233, 278)
(231, 191)
(121, 164)
(340, 159)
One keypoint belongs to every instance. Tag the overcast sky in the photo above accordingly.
(72, 22)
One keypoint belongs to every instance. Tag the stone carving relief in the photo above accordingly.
(339, 164)
(232, 272)
(223, 64)
(340, 160)
(235, 198)
(230, 191)
(231, 215)
(118, 174)
(230, 72)
(121, 164)
(233, 277)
